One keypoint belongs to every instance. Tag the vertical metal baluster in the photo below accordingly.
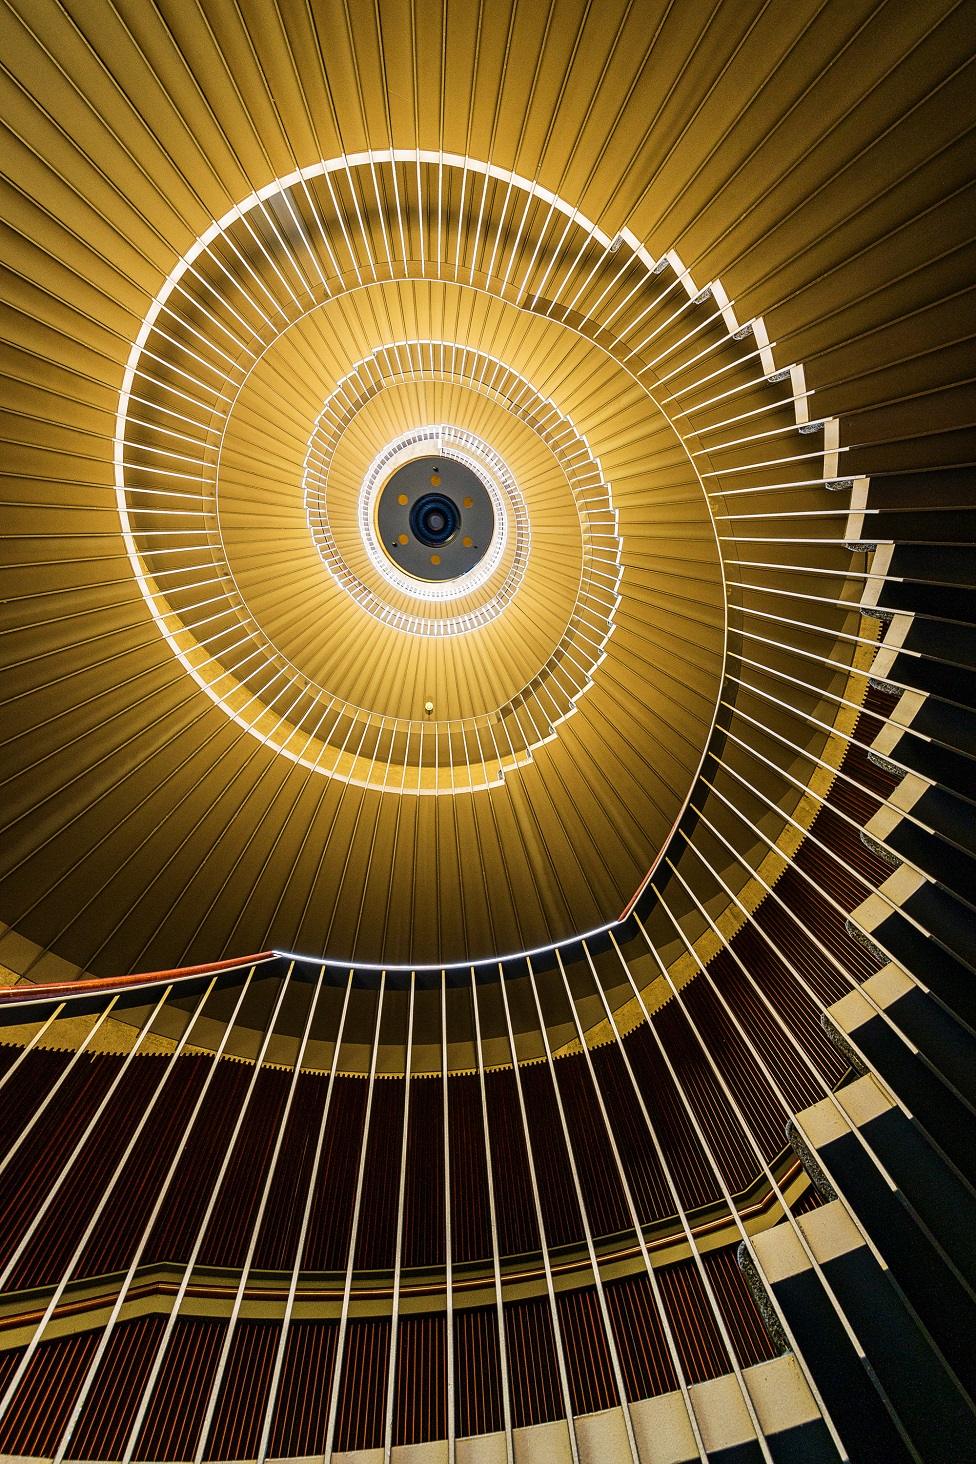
(171, 1320)
(829, 1093)
(495, 1256)
(10, 1391)
(134, 1264)
(55, 1088)
(279, 1361)
(353, 1236)
(546, 1262)
(716, 1168)
(676, 1362)
(42, 1031)
(673, 1188)
(78, 1149)
(788, 1216)
(587, 1231)
(448, 1259)
(394, 1315)
(256, 1227)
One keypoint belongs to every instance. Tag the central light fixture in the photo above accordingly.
(437, 509)
(435, 519)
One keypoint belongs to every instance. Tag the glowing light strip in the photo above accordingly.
(592, 237)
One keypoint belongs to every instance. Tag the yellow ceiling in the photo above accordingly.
(157, 816)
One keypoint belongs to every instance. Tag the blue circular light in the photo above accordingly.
(434, 519)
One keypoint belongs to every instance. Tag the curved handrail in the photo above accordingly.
(99, 985)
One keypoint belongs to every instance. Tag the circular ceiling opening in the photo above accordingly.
(435, 519)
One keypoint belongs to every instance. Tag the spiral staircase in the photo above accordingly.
(487, 971)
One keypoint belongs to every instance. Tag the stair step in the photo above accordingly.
(920, 1050)
(896, 938)
(936, 1279)
(885, 1409)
